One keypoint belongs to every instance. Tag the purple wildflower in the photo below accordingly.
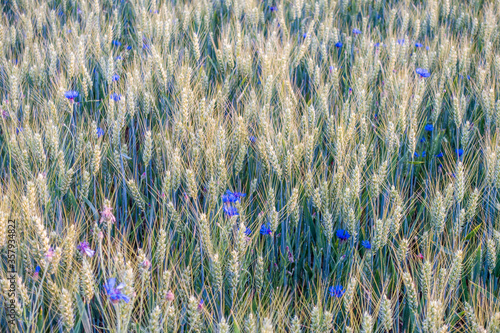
(115, 294)
(84, 248)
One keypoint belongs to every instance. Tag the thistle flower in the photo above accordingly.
(107, 216)
(84, 248)
(114, 291)
(49, 255)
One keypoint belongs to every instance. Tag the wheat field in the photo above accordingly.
(250, 166)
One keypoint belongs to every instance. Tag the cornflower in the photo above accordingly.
(114, 293)
(423, 72)
(71, 95)
(337, 291)
(265, 229)
(342, 234)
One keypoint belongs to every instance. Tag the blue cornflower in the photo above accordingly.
(231, 197)
(416, 154)
(440, 155)
(356, 31)
(460, 152)
(115, 294)
(115, 77)
(273, 8)
(376, 45)
(429, 127)
(366, 244)
(468, 77)
(71, 94)
(19, 130)
(418, 45)
(248, 232)
(422, 140)
(145, 46)
(116, 43)
(37, 271)
(116, 97)
(343, 234)
(350, 90)
(230, 210)
(252, 139)
(338, 44)
(423, 72)
(100, 132)
(401, 41)
(129, 47)
(265, 229)
(424, 154)
(118, 58)
(337, 291)
(304, 35)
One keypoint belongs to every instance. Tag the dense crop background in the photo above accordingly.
(250, 166)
